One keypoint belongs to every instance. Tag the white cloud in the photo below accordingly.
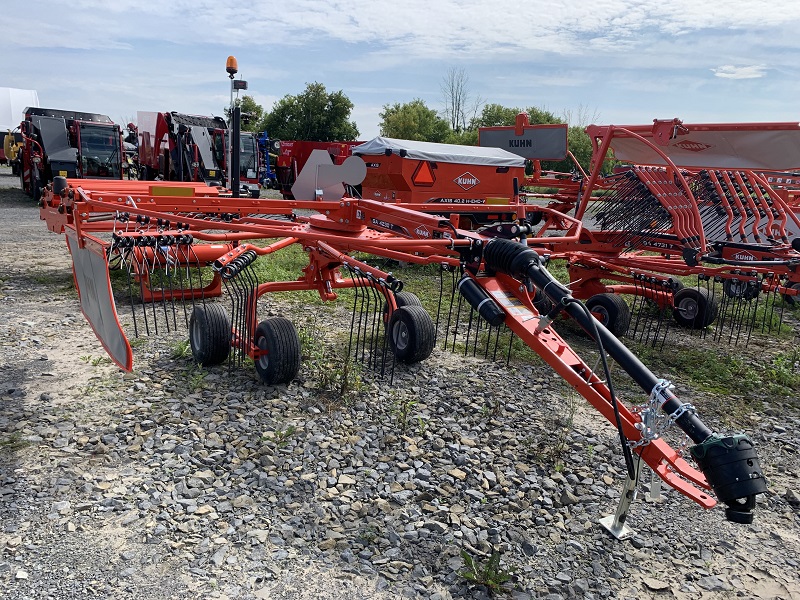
(623, 58)
(734, 72)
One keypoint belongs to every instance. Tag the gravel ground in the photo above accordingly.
(171, 482)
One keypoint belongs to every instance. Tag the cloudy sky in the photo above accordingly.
(605, 61)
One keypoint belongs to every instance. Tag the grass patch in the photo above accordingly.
(727, 372)
(13, 441)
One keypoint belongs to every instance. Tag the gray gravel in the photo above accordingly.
(172, 482)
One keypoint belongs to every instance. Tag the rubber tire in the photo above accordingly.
(279, 338)
(402, 299)
(36, 188)
(677, 286)
(612, 311)
(732, 289)
(694, 308)
(411, 333)
(793, 300)
(210, 334)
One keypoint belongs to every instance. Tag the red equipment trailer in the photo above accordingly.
(68, 144)
(427, 175)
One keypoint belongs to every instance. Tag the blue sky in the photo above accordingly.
(607, 61)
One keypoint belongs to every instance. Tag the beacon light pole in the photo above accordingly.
(232, 67)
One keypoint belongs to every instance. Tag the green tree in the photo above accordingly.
(541, 116)
(314, 115)
(413, 121)
(468, 137)
(252, 113)
(496, 115)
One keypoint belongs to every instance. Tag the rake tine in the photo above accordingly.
(638, 304)
(469, 331)
(439, 306)
(160, 265)
(373, 306)
(378, 297)
(144, 274)
(453, 319)
(124, 264)
(353, 312)
(181, 258)
(510, 343)
(171, 273)
(251, 311)
(236, 293)
(361, 312)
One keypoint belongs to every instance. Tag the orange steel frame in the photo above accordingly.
(328, 248)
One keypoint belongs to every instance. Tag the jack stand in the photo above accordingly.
(615, 524)
(654, 494)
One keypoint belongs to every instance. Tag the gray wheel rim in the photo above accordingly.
(689, 308)
(196, 334)
(602, 313)
(400, 335)
(263, 360)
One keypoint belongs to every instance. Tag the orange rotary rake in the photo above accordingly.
(695, 204)
(176, 246)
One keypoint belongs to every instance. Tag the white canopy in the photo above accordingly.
(450, 153)
(13, 102)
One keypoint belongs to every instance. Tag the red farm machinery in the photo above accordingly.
(191, 252)
(67, 144)
(474, 183)
(178, 147)
(691, 225)
(175, 146)
(428, 176)
(293, 155)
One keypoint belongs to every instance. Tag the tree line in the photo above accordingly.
(319, 115)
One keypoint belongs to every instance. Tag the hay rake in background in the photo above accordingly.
(497, 272)
(692, 227)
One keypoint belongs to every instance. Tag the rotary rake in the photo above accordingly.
(181, 252)
(709, 244)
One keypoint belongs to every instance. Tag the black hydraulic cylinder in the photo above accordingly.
(481, 301)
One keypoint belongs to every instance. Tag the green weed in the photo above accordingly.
(195, 379)
(401, 409)
(13, 441)
(280, 436)
(491, 575)
(181, 349)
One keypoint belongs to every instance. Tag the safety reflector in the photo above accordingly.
(424, 174)
(163, 190)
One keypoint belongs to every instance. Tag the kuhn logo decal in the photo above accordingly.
(743, 256)
(692, 146)
(422, 232)
(466, 181)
